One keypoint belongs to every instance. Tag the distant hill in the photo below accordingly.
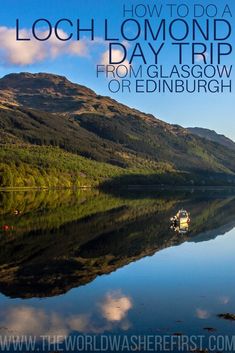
(41, 113)
(211, 135)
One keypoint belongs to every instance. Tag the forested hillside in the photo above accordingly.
(54, 133)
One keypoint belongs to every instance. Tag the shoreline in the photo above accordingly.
(125, 187)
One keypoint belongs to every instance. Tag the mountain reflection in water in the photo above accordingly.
(62, 239)
(57, 247)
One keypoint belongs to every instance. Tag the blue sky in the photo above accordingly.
(77, 61)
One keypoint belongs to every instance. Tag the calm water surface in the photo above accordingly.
(92, 263)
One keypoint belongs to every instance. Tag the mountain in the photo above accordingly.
(57, 133)
(211, 135)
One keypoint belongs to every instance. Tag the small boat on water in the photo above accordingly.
(180, 222)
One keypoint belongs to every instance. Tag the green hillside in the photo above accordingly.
(54, 133)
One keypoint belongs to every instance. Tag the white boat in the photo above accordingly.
(180, 222)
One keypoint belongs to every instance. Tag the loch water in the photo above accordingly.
(95, 267)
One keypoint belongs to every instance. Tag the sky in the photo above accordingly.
(77, 60)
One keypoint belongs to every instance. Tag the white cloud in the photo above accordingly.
(23, 53)
(78, 48)
(202, 314)
(117, 55)
(200, 57)
(224, 300)
(13, 52)
(25, 320)
(115, 306)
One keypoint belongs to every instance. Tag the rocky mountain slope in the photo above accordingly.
(48, 110)
(211, 135)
